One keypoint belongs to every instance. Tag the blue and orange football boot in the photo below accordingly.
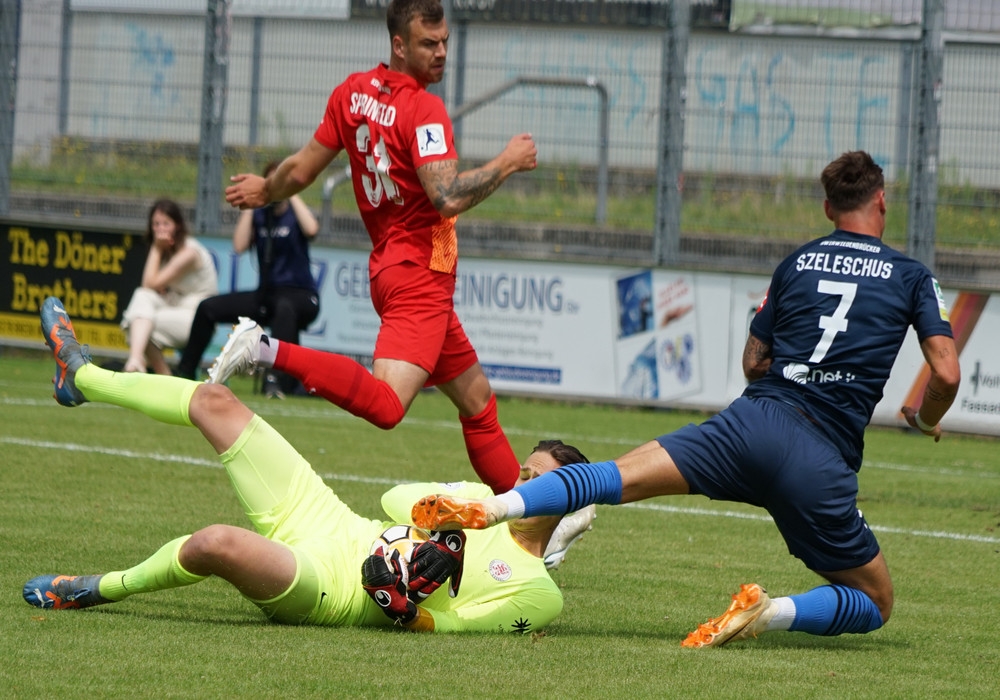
(64, 592)
(60, 337)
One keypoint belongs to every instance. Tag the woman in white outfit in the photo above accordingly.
(178, 274)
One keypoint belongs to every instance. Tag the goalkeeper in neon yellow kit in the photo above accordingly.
(308, 560)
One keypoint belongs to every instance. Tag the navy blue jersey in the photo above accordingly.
(289, 250)
(835, 316)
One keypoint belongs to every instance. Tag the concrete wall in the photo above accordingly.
(755, 104)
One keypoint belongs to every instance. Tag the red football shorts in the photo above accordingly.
(419, 323)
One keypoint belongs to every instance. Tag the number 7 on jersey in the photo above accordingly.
(837, 323)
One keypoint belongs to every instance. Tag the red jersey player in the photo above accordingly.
(408, 188)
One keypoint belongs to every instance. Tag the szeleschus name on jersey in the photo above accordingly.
(848, 265)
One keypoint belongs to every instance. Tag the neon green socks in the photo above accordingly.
(161, 571)
(158, 396)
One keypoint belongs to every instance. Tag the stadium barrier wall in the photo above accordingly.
(756, 105)
(654, 337)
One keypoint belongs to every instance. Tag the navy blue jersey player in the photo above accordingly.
(817, 358)
(832, 324)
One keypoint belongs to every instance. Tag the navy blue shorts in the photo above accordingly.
(765, 453)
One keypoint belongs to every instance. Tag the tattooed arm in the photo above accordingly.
(452, 192)
(756, 358)
(942, 386)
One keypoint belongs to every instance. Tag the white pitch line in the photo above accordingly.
(682, 510)
(175, 459)
(324, 411)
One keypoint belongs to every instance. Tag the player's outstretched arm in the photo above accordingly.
(453, 193)
(527, 608)
(942, 387)
(294, 174)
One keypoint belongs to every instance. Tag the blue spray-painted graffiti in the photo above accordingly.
(153, 56)
(839, 91)
(877, 102)
(752, 106)
(783, 120)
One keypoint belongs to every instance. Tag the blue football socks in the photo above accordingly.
(570, 488)
(833, 610)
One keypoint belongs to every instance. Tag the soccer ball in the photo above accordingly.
(399, 538)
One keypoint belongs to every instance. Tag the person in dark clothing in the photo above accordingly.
(286, 299)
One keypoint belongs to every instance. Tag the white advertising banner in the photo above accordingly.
(975, 321)
(746, 294)
(658, 346)
(532, 325)
(658, 337)
(978, 402)
(347, 323)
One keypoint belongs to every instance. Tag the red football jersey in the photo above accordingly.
(390, 126)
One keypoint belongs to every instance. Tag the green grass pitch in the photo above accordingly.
(93, 488)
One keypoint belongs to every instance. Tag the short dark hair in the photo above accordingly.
(400, 13)
(851, 181)
(561, 452)
(172, 210)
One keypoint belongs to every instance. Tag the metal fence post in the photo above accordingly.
(255, 60)
(670, 151)
(905, 109)
(65, 61)
(10, 28)
(926, 143)
(213, 112)
(339, 177)
(460, 37)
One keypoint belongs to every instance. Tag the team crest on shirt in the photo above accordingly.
(942, 307)
(500, 570)
(430, 140)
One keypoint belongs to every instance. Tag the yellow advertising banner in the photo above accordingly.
(93, 271)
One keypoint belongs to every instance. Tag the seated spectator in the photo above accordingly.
(178, 274)
(286, 298)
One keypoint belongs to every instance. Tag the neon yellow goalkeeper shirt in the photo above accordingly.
(503, 588)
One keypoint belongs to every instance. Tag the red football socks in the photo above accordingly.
(348, 384)
(489, 450)
(342, 381)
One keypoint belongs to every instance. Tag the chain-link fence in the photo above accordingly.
(686, 133)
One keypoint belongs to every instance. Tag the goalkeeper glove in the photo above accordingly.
(383, 581)
(435, 561)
